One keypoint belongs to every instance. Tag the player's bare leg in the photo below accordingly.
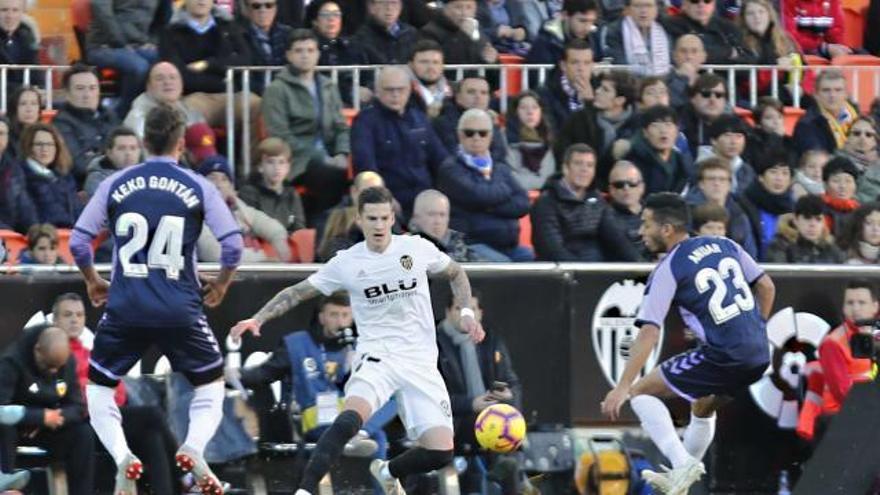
(701, 430)
(106, 420)
(433, 452)
(205, 414)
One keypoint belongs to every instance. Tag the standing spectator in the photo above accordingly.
(625, 192)
(270, 192)
(303, 108)
(728, 137)
(570, 85)
(812, 243)
(528, 142)
(82, 122)
(638, 40)
(395, 139)
(708, 101)
(457, 32)
(769, 130)
(770, 196)
(50, 182)
(24, 110)
(18, 43)
(430, 219)
(721, 38)
(688, 57)
(470, 92)
(808, 176)
(826, 123)
(840, 177)
(767, 43)
(42, 245)
(487, 202)
(860, 239)
(429, 84)
(861, 145)
(120, 36)
(817, 26)
(384, 38)
(653, 151)
(576, 21)
(266, 38)
(17, 210)
(337, 49)
(164, 85)
(122, 150)
(571, 221)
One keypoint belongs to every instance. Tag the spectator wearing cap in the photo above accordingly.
(256, 226)
(803, 236)
(17, 210)
(576, 21)
(269, 191)
(826, 124)
(164, 85)
(266, 37)
(728, 137)
(384, 38)
(663, 167)
(18, 44)
(336, 49)
(769, 196)
(122, 150)
(82, 122)
(840, 176)
(201, 143)
(721, 38)
(457, 31)
(708, 101)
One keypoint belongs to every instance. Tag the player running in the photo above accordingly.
(710, 279)
(386, 277)
(154, 212)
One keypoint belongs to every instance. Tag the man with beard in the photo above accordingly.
(429, 84)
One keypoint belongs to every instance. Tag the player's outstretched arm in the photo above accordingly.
(765, 292)
(461, 294)
(283, 302)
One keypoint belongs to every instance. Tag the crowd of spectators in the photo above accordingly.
(574, 155)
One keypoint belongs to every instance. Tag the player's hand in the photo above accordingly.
(481, 402)
(473, 328)
(250, 325)
(98, 291)
(53, 419)
(213, 290)
(614, 401)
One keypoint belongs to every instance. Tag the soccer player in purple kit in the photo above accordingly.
(725, 298)
(154, 212)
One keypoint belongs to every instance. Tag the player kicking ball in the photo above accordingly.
(386, 277)
(155, 212)
(710, 279)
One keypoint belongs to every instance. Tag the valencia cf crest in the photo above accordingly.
(61, 388)
(406, 261)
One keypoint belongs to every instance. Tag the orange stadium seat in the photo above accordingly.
(790, 117)
(815, 60)
(854, 21)
(349, 114)
(15, 244)
(867, 79)
(514, 76)
(745, 114)
(525, 231)
(302, 245)
(64, 246)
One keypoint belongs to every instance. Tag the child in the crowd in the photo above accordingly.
(710, 219)
(803, 237)
(808, 176)
(42, 242)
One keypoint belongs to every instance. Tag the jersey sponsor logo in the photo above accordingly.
(613, 327)
(390, 291)
(406, 261)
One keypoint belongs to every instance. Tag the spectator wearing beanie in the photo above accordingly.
(728, 137)
(840, 177)
(200, 143)
(803, 237)
(653, 150)
(770, 195)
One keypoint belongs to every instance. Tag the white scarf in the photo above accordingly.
(642, 61)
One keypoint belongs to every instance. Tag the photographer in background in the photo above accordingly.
(828, 386)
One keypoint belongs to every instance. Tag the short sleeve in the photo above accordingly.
(437, 260)
(328, 279)
(658, 295)
(750, 267)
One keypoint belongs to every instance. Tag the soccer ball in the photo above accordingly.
(500, 428)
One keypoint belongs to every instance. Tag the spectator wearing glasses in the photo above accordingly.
(826, 123)
(266, 36)
(638, 40)
(721, 38)
(626, 189)
(384, 38)
(470, 92)
(708, 101)
(337, 49)
(653, 151)
(50, 181)
(861, 145)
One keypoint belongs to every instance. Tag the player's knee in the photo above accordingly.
(348, 423)
(99, 378)
(205, 377)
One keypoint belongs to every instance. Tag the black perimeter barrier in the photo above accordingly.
(563, 324)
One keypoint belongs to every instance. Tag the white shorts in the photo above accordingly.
(422, 399)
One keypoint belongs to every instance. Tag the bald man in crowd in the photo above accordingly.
(164, 85)
(430, 219)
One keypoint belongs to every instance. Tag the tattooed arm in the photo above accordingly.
(283, 302)
(461, 296)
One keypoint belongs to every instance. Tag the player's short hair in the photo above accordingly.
(709, 212)
(862, 283)
(38, 231)
(163, 128)
(809, 206)
(120, 131)
(338, 298)
(300, 34)
(374, 195)
(67, 296)
(576, 148)
(670, 209)
(77, 68)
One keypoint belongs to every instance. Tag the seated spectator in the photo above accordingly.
(82, 122)
(337, 49)
(256, 226)
(269, 191)
(861, 145)
(394, 138)
(430, 219)
(817, 27)
(576, 21)
(689, 57)
(457, 32)
(638, 41)
(24, 110)
(266, 38)
(653, 151)
(810, 241)
(42, 246)
(47, 167)
(487, 202)
(860, 239)
(570, 85)
(528, 142)
(625, 192)
(17, 210)
(769, 130)
(728, 137)
(767, 44)
(826, 123)
(715, 186)
(571, 221)
(416, 13)
(429, 84)
(164, 85)
(200, 144)
(384, 38)
(721, 38)
(319, 139)
(20, 44)
(121, 36)
(808, 176)
(769, 196)
(652, 91)
(507, 35)
(840, 177)
(122, 150)
(340, 231)
(710, 219)
(470, 92)
(39, 373)
(708, 101)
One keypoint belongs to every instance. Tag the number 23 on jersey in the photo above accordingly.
(727, 277)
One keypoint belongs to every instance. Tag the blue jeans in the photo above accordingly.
(132, 65)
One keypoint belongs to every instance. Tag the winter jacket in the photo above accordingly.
(837, 213)
(403, 149)
(121, 23)
(458, 47)
(629, 223)
(255, 226)
(486, 210)
(54, 195)
(765, 209)
(527, 178)
(580, 127)
(20, 47)
(813, 23)
(99, 169)
(721, 38)
(17, 210)
(660, 176)
(286, 208)
(803, 251)
(812, 132)
(381, 47)
(446, 127)
(142, 105)
(343, 51)
(566, 228)
(549, 45)
(222, 46)
(276, 56)
(85, 133)
(868, 185)
(290, 113)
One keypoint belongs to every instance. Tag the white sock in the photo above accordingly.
(698, 435)
(302, 492)
(657, 422)
(205, 414)
(106, 420)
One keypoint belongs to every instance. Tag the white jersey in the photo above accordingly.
(390, 299)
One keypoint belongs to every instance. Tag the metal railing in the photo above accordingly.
(47, 87)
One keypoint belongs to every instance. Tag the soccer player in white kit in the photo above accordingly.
(387, 279)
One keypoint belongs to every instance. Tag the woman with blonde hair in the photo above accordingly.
(47, 167)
